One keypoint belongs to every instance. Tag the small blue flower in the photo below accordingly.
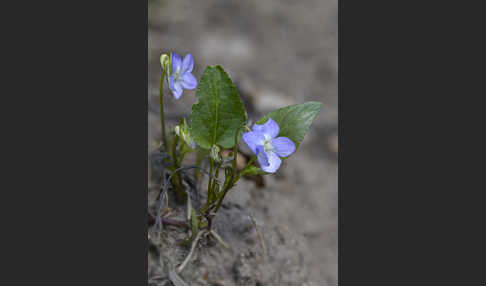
(181, 75)
(263, 141)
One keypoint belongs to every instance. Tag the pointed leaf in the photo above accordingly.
(219, 112)
(294, 120)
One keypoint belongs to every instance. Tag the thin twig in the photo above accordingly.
(170, 221)
(189, 206)
(260, 236)
(188, 257)
(160, 277)
(176, 279)
(218, 238)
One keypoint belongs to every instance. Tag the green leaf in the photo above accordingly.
(294, 120)
(253, 170)
(201, 154)
(219, 112)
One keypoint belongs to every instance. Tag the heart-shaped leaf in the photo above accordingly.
(219, 112)
(294, 120)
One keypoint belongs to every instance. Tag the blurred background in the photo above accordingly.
(278, 53)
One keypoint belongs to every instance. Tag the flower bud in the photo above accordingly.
(214, 153)
(165, 61)
(182, 131)
(177, 130)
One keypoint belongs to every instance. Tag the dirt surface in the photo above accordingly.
(278, 53)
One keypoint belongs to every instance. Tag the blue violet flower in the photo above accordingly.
(181, 75)
(263, 141)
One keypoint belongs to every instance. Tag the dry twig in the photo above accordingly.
(260, 236)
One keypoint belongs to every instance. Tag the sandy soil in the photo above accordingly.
(278, 53)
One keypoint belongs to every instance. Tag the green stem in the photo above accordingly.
(215, 183)
(162, 122)
(247, 165)
(231, 180)
(210, 182)
(228, 184)
(210, 199)
(235, 151)
(176, 179)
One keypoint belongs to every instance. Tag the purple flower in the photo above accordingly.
(181, 75)
(263, 141)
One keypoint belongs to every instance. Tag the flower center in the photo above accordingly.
(267, 144)
(177, 74)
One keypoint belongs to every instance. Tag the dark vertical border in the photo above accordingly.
(80, 215)
(366, 253)
(403, 80)
(368, 96)
(100, 218)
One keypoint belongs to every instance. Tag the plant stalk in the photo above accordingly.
(162, 121)
(176, 179)
(231, 181)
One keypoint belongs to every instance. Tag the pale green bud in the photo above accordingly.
(214, 153)
(183, 132)
(165, 61)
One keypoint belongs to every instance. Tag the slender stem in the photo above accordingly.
(210, 198)
(210, 222)
(247, 166)
(210, 182)
(229, 183)
(162, 122)
(235, 151)
(231, 180)
(216, 175)
(176, 180)
(220, 201)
